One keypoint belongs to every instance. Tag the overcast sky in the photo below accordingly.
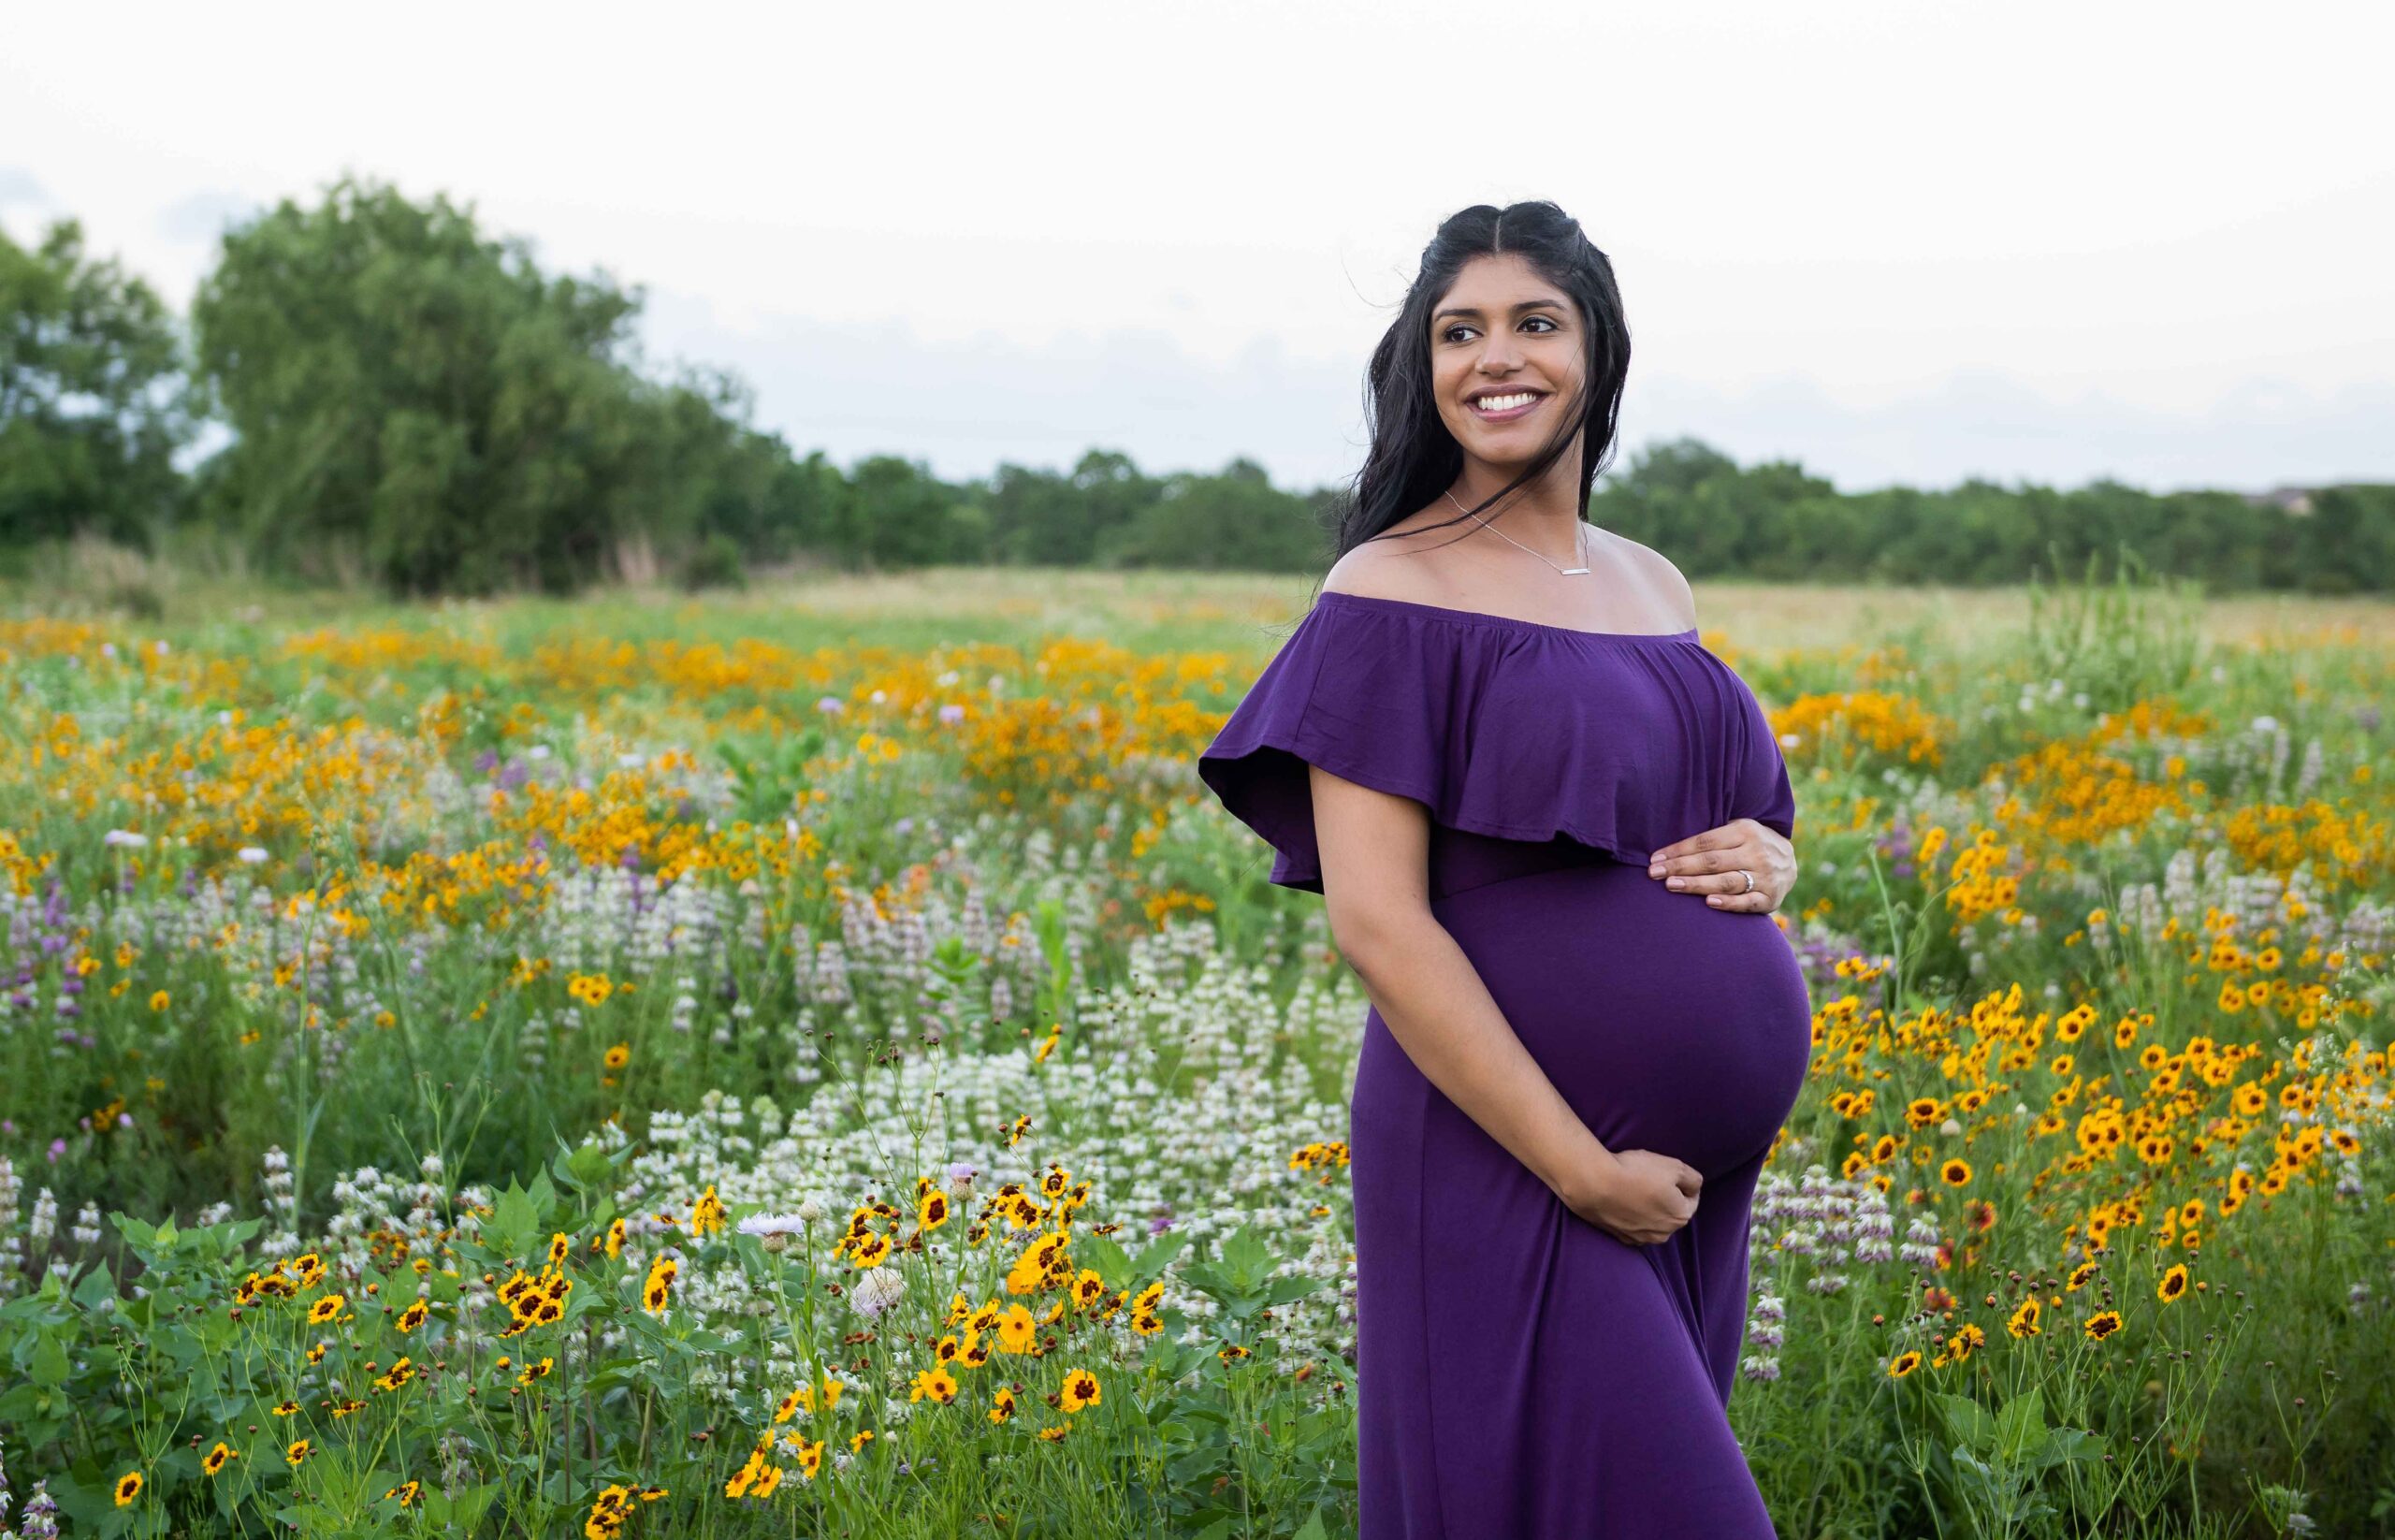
(1899, 242)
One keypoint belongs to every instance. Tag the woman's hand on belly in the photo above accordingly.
(1710, 864)
(1637, 1196)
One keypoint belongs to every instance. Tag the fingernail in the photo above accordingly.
(1656, 869)
(1713, 899)
(1675, 882)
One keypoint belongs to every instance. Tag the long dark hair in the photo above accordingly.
(1413, 458)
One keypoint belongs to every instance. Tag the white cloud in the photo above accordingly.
(2043, 240)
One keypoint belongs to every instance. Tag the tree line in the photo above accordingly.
(408, 401)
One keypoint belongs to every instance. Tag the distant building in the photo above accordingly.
(2286, 500)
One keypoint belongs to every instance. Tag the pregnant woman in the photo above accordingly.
(1549, 827)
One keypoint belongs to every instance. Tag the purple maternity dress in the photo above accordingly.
(1523, 1375)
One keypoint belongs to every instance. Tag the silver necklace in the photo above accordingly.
(1579, 540)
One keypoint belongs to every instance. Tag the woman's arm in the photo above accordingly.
(1376, 851)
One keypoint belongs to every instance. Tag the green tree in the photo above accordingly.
(425, 403)
(91, 399)
(1237, 521)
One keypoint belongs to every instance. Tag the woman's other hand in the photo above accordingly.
(1638, 1197)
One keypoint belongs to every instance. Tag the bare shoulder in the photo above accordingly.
(1656, 570)
(1403, 562)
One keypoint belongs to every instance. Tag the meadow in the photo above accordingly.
(816, 1062)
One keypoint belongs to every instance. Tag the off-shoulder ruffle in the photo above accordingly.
(1622, 742)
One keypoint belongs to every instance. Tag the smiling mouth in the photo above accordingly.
(1505, 408)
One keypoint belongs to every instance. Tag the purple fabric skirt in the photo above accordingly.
(1521, 1372)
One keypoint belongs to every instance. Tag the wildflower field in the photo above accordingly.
(819, 1063)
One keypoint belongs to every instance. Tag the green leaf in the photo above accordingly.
(49, 1366)
(2021, 1426)
(94, 1287)
(1967, 1421)
(1111, 1261)
(1247, 1254)
(2072, 1446)
(461, 1514)
(1152, 1261)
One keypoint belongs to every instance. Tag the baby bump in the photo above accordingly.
(1666, 1023)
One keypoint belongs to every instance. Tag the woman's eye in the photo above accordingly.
(1549, 321)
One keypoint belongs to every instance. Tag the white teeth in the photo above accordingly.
(1504, 403)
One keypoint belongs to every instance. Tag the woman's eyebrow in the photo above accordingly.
(1467, 310)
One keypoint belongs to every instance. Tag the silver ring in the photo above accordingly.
(1750, 881)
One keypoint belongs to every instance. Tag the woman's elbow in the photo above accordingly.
(1366, 929)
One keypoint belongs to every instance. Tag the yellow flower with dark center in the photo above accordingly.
(2025, 1320)
(1903, 1364)
(1966, 1339)
(2173, 1284)
(1017, 1330)
(285, 1408)
(2081, 1276)
(2102, 1325)
(1955, 1174)
(414, 1315)
(405, 1493)
(129, 1487)
(1081, 1390)
(535, 1371)
(619, 1056)
(215, 1458)
(400, 1373)
(297, 1452)
(327, 1309)
(558, 1245)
